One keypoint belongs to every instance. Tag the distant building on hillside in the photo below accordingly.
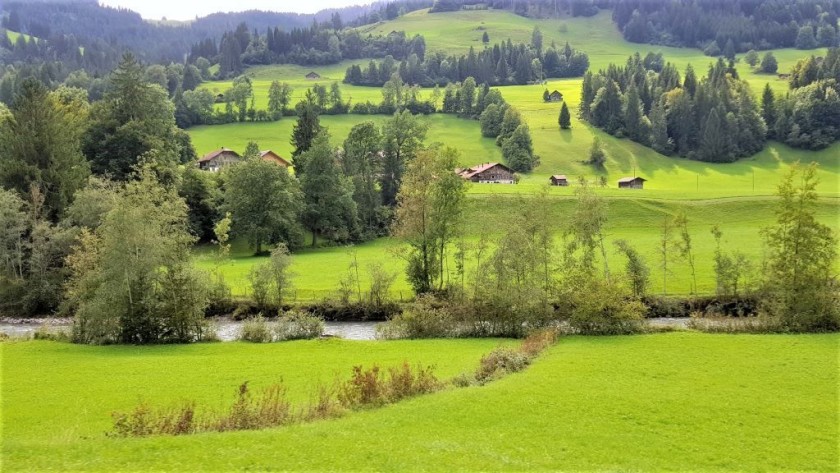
(559, 180)
(313, 75)
(555, 96)
(273, 157)
(488, 173)
(631, 183)
(218, 159)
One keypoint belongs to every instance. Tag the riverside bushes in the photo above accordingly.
(290, 326)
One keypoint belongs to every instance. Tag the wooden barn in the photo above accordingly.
(558, 180)
(631, 183)
(313, 75)
(218, 159)
(488, 173)
(273, 157)
(555, 96)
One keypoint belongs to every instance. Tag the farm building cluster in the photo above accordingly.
(216, 160)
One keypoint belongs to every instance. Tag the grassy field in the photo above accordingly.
(318, 271)
(733, 195)
(680, 401)
(561, 152)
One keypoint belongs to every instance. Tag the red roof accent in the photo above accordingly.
(213, 154)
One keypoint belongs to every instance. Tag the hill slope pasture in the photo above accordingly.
(677, 401)
(734, 195)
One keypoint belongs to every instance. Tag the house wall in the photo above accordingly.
(494, 175)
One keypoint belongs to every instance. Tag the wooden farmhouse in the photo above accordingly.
(488, 173)
(631, 183)
(555, 96)
(558, 180)
(273, 157)
(218, 159)
(313, 75)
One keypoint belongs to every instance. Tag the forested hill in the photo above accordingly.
(87, 23)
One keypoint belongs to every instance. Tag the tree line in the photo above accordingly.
(714, 118)
(728, 28)
(809, 115)
(318, 44)
(502, 64)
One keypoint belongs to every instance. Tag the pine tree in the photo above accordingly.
(41, 147)
(565, 119)
(690, 82)
(306, 128)
(768, 109)
(633, 115)
(714, 147)
(659, 139)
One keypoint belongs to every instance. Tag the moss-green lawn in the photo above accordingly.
(668, 402)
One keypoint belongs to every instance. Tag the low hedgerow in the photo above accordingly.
(298, 326)
(503, 361)
(270, 407)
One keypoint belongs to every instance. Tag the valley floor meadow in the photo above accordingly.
(674, 401)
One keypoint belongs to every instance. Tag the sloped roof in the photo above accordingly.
(631, 179)
(470, 172)
(559, 177)
(214, 154)
(268, 151)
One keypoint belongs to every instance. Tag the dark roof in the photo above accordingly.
(631, 179)
(475, 170)
(313, 74)
(213, 154)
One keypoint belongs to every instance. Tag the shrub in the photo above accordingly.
(601, 308)
(268, 409)
(426, 319)
(372, 387)
(760, 324)
(500, 362)
(298, 326)
(256, 330)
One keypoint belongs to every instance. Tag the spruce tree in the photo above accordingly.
(768, 109)
(633, 115)
(306, 128)
(714, 146)
(565, 119)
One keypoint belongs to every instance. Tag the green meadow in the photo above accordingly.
(667, 402)
(737, 196)
(318, 271)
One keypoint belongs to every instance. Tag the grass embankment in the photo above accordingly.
(679, 401)
(318, 271)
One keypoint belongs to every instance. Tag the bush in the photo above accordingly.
(427, 318)
(500, 362)
(601, 308)
(298, 326)
(256, 330)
